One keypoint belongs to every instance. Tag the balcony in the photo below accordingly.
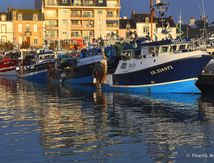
(76, 15)
(76, 3)
(112, 24)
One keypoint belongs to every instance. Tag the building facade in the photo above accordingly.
(163, 28)
(27, 27)
(6, 28)
(77, 19)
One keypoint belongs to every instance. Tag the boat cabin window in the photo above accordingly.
(123, 66)
(145, 50)
(183, 47)
(137, 53)
(164, 49)
(151, 50)
(173, 48)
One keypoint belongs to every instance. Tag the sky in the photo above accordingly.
(188, 8)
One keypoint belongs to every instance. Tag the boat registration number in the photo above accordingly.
(161, 70)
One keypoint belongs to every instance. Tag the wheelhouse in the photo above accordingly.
(151, 49)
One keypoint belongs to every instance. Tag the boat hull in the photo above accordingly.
(82, 75)
(11, 72)
(178, 76)
(40, 77)
(206, 83)
(183, 86)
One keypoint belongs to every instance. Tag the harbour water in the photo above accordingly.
(60, 124)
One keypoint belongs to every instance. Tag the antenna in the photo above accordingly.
(180, 24)
(161, 8)
(203, 17)
(203, 8)
(152, 12)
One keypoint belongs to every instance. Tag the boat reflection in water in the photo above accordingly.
(83, 124)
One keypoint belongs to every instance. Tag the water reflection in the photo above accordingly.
(83, 124)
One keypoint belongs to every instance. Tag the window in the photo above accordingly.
(123, 66)
(51, 13)
(64, 11)
(147, 20)
(182, 47)
(53, 23)
(35, 17)
(64, 22)
(87, 14)
(110, 14)
(35, 28)
(51, 2)
(35, 41)
(3, 28)
(52, 33)
(3, 17)
(20, 40)
(75, 22)
(75, 13)
(76, 2)
(3, 39)
(64, 1)
(146, 29)
(27, 27)
(20, 27)
(173, 48)
(100, 12)
(164, 49)
(20, 16)
(75, 34)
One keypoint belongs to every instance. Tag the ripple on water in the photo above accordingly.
(57, 124)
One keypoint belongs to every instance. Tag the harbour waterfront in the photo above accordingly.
(80, 124)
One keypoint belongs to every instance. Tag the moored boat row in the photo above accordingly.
(171, 66)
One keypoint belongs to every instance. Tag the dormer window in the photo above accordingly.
(3, 17)
(147, 20)
(64, 1)
(35, 17)
(20, 16)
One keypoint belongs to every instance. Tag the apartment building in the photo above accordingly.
(27, 27)
(79, 19)
(6, 28)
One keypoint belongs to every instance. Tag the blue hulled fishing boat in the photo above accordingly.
(34, 66)
(171, 66)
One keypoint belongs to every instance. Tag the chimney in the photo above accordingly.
(133, 12)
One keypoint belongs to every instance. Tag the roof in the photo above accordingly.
(136, 17)
(165, 21)
(123, 23)
(166, 42)
(6, 14)
(27, 14)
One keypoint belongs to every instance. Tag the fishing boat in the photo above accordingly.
(33, 66)
(206, 80)
(82, 70)
(171, 66)
(77, 70)
(8, 63)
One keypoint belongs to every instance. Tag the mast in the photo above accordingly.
(152, 12)
(180, 25)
